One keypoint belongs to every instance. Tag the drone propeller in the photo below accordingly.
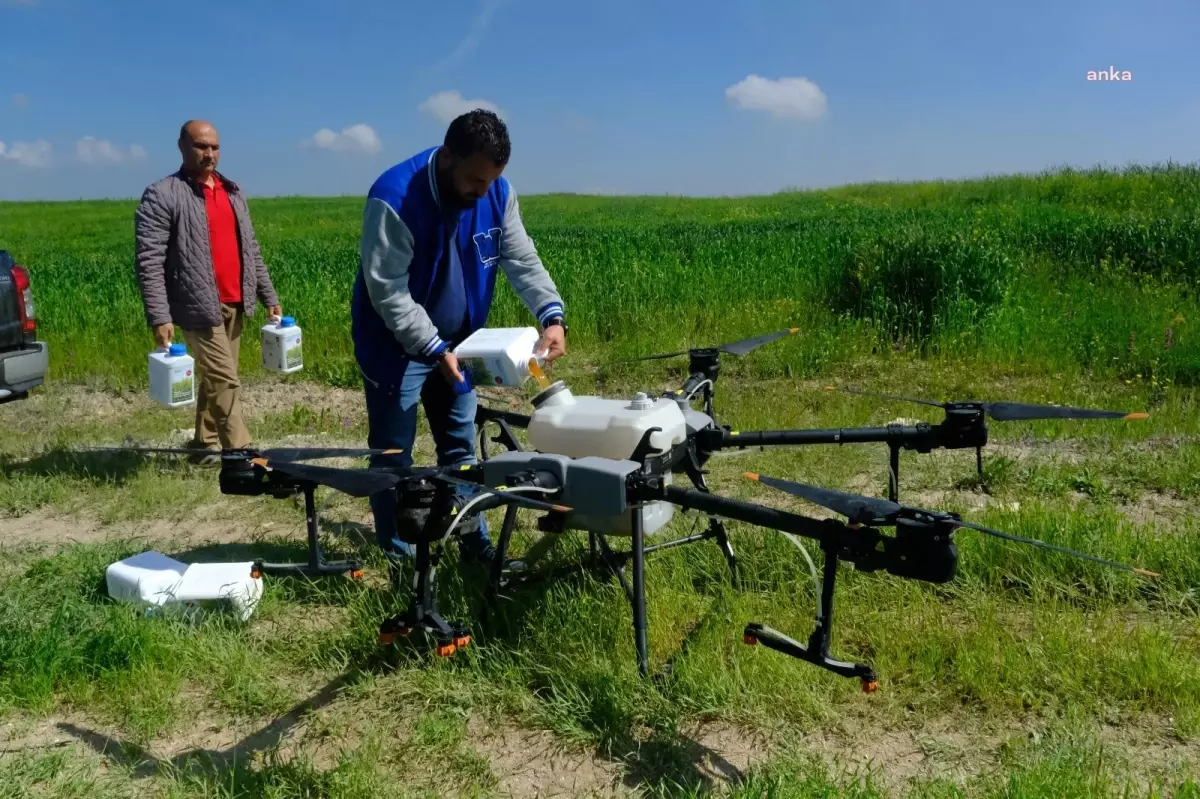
(355, 482)
(872, 510)
(1009, 411)
(739, 348)
(365, 482)
(857, 509)
(276, 454)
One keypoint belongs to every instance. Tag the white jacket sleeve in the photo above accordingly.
(387, 250)
(520, 262)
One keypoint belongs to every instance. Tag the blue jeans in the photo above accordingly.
(392, 424)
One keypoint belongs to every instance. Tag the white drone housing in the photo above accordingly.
(598, 427)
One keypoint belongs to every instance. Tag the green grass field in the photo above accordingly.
(1031, 675)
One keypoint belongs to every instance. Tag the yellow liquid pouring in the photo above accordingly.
(538, 374)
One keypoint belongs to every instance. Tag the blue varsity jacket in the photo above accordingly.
(411, 304)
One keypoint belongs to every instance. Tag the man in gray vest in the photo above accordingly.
(199, 268)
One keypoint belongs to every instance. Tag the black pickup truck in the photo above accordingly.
(23, 359)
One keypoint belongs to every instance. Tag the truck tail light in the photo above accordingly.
(24, 301)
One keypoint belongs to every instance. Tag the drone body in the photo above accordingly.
(609, 466)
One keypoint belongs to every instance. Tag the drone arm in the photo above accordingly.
(715, 438)
(484, 414)
(751, 513)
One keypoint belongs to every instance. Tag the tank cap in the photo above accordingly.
(554, 388)
(287, 321)
(177, 349)
(641, 402)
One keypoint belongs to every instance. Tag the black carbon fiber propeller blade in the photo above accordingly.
(739, 348)
(1052, 547)
(1017, 411)
(317, 453)
(274, 454)
(871, 510)
(857, 509)
(355, 482)
(748, 345)
(1009, 411)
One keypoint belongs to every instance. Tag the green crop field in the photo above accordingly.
(1031, 674)
(1068, 271)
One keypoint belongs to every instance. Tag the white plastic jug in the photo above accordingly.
(499, 356)
(281, 350)
(172, 376)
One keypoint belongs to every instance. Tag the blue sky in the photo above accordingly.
(620, 96)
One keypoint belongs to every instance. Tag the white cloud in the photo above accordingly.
(20, 101)
(31, 154)
(91, 150)
(474, 36)
(360, 139)
(445, 106)
(786, 98)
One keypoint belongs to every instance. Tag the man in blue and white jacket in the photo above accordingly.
(436, 228)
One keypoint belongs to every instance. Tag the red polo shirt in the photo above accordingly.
(223, 238)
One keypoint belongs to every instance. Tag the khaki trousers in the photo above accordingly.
(218, 396)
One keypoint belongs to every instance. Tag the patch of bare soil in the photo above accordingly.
(1158, 510)
(533, 763)
(263, 397)
(941, 748)
(46, 529)
(960, 749)
(529, 763)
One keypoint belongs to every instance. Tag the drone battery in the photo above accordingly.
(172, 376)
(281, 348)
(498, 356)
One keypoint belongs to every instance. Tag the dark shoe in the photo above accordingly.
(213, 458)
(487, 556)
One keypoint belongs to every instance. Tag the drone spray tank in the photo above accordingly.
(599, 427)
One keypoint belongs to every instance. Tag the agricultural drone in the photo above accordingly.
(607, 467)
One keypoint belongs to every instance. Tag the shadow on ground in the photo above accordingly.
(94, 467)
(218, 766)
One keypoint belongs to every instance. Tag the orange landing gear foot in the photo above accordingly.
(749, 640)
(870, 686)
(356, 574)
(462, 641)
(445, 650)
(387, 639)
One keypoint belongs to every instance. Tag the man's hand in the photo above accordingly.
(449, 367)
(275, 312)
(163, 334)
(553, 342)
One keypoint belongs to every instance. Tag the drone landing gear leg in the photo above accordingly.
(639, 594)
(717, 530)
(317, 566)
(894, 474)
(510, 522)
(423, 614)
(817, 650)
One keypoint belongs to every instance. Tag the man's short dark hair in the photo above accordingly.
(479, 131)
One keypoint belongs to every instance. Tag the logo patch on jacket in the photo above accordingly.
(487, 245)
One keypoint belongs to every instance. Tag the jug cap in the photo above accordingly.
(177, 349)
(287, 321)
